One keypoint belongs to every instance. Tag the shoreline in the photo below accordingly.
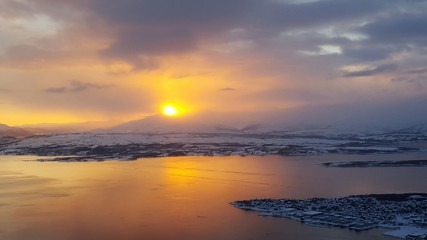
(131, 146)
(405, 212)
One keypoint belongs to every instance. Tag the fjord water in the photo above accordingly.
(182, 198)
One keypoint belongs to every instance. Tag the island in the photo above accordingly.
(366, 164)
(405, 213)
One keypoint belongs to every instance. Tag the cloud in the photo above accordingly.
(77, 86)
(85, 100)
(139, 45)
(142, 31)
(403, 28)
(252, 43)
(416, 77)
(151, 28)
(25, 55)
(14, 9)
(417, 71)
(227, 89)
(398, 30)
(369, 53)
(370, 71)
(56, 90)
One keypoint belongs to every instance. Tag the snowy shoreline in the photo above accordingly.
(405, 213)
(131, 146)
(366, 164)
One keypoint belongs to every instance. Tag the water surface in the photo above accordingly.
(182, 198)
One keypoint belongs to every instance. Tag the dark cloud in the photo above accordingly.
(371, 72)
(185, 13)
(150, 28)
(311, 14)
(158, 27)
(405, 28)
(77, 86)
(142, 30)
(3, 90)
(137, 44)
(369, 53)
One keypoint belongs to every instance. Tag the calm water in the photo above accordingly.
(181, 198)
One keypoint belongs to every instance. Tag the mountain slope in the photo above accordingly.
(205, 122)
(13, 131)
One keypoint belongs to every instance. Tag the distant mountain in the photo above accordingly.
(6, 130)
(205, 122)
(156, 123)
(315, 119)
(362, 117)
(57, 128)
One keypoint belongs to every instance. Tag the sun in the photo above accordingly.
(170, 110)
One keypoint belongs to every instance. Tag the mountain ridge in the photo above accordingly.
(16, 132)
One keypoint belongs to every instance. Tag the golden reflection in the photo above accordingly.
(168, 198)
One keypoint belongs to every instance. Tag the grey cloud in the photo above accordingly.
(158, 27)
(406, 28)
(56, 90)
(371, 72)
(27, 54)
(417, 77)
(287, 95)
(142, 30)
(369, 53)
(14, 9)
(77, 86)
(4, 90)
(420, 81)
(106, 102)
(417, 71)
(230, 13)
(398, 29)
(184, 13)
(139, 43)
(316, 13)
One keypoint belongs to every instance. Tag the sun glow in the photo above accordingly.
(170, 110)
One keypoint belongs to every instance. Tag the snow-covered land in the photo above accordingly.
(104, 146)
(389, 163)
(405, 212)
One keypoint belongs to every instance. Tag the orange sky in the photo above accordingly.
(75, 61)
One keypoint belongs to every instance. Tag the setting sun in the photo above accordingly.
(170, 110)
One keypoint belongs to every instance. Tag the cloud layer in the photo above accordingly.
(77, 86)
(279, 54)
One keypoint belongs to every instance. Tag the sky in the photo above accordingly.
(67, 61)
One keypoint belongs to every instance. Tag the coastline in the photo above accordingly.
(405, 213)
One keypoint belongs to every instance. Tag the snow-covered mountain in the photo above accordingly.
(206, 122)
(59, 128)
(6, 130)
